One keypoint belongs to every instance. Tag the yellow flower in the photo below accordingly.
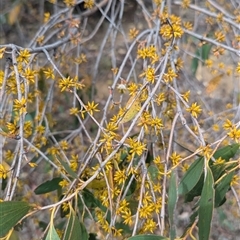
(136, 147)
(238, 68)
(3, 172)
(23, 56)
(82, 58)
(235, 180)
(195, 110)
(64, 145)
(150, 74)
(49, 73)
(185, 96)
(149, 226)
(127, 216)
(63, 183)
(20, 105)
(92, 107)
(120, 177)
(220, 36)
(160, 98)
(133, 32)
(234, 134)
(185, 3)
(65, 206)
(70, 3)
(206, 151)
(146, 210)
(66, 84)
(215, 127)
(46, 16)
(170, 75)
(74, 111)
(175, 158)
(88, 4)
(219, 161)
(228, 125)
(29, 75)
(2, 50)
(157, 123)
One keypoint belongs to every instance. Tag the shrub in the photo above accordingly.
(113, 119)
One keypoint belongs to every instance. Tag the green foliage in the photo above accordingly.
(10, 214)
(206, 205)
(75, 229)
(48, 186)
(52, 234)
(91, 109)
(202, 53)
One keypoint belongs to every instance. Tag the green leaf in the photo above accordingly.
(75, 229)
(206, 205)
(204, 51)
(153, 172)
(201, 53)
(67, 168)
(172, 200)
(52, 234)
(227, 152)
(222, 188)
(191, 177)
(48, 186)
(194, 65)
(10, 214)
(148, 237)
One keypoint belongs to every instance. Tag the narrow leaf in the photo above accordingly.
(14, 13)
(67, 168)
(206, 205)
(133, 105)
(172, 199)
(75, 229)
(10, 214)
(191, 177)
(222, 188)
(48, 186)
(213, 83)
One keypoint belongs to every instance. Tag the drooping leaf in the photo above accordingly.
(172, 200)
(206, 205)
(48, 186)
(10, 214)
(201, 53)
(67, 168)
(225, 153)
(153, 172)
(52, 234)
(75, 229)
(148, 237)
(213, 83)
(204, 51)
(191, 177)
(222, 188)
(133, 105)
(14, 13)
(196, 191)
